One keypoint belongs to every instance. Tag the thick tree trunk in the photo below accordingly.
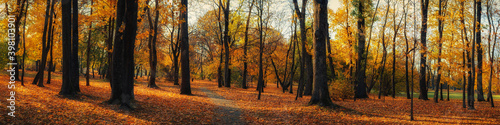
(74, 46)
(360, 71)
(320, 95)
(184, 47)
(122, 85)
(69, 84)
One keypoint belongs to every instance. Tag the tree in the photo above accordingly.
(153, 26)
(260, 81)
(423, 58)
(227, 71)
(24, 43)
(480, 95)
(70, 85)
(360, 71)
(45, 42)
(88, 47)
(384, 54)
(320, 94)
(440, 46)
(492, 30)
(245, 65)
(305, 74)
(185, 83)
(122, 84)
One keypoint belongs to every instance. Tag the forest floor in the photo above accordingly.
(212, 105)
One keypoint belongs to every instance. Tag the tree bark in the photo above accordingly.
(88, 47)
(360, 71)
(122, 85)
(423, 55)
(184, 47)
(480, 94)
(245, 49)
(320, 94)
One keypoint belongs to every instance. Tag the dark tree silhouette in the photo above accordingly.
(122, 85)
(423, 58)
(186, 73)
(320, 94)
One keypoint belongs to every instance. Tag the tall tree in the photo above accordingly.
(423, 55)
(88, 46)
(186, 73)
(45, 42)
(320, 94)
(360, 70)
(245, 48)
(122, 84)
(396, 29)
(493, 30)
(70, 85)
(74, 46)
(24, 42)
(480, 95)
(441, 18)
(260, 81)
(466, 43)
(153, 27)
(382, 80)
(304, 78)
(227, 71)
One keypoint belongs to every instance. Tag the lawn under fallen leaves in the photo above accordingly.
(37, 105)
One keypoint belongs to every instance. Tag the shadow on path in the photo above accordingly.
(227, 112)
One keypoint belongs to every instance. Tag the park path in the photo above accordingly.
(227, 112)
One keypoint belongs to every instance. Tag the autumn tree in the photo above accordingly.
(305, 72)
(70, 84)
(186, 73)
(153, 27)
(320, 94)
(493, 30)
(441, 12)
(245, 46)
(360, 71)
(88, 47)
(480, 95)
(122, 84)
(423, 58)
(47, 28)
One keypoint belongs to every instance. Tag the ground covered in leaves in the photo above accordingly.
(42, 105)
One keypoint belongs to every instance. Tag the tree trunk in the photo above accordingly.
(260, 81)
(440, 47)
(69, 84)
(423, 57)
(245, 49)
(360, 71)
(88, 46)
(122, 85)
(320, 95)
(24, 43)
(480, 95)
(184, 47)
(227, 72)
(74, 46)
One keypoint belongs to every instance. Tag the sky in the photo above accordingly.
(282, 8)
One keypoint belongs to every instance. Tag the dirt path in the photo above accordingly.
(227, 112)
